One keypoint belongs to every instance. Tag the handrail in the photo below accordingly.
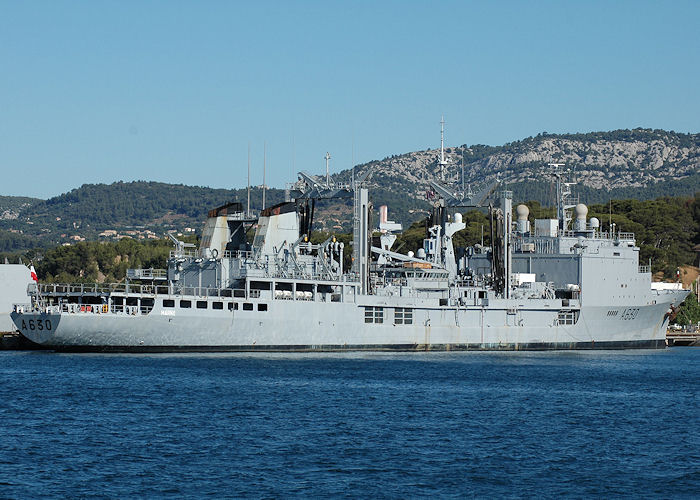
(147, 273)
(100, 288)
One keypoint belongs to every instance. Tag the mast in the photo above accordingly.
(507, 208)
(248, 208)
(442, 162)
(327, 157)
(564, 198)
(264, 164)
(462, 171)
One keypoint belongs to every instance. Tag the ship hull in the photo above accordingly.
(303, 327)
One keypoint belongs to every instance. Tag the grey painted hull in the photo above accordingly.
(313, 326)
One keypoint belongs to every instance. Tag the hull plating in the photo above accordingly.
(298, 326)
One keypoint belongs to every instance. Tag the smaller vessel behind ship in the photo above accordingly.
(562, 284)
(15, 279)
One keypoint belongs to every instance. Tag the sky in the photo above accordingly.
(176, 91)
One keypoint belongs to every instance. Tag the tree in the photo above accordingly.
(688, 311)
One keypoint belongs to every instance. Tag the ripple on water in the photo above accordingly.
(350, 424)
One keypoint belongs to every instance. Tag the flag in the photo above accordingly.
(33, 273)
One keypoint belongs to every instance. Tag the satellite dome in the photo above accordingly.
(522, 212)
(458, 218)
(595, 223)
(581, 211)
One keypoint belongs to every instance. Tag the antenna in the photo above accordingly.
(462, 170)
(327, 157)
(294, 156)
(248, 208)
(352, 160)
(443, 162)
(264, 164)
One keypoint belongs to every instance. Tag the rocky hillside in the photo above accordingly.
(639, 163)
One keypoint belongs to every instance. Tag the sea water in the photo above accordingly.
(521, 424)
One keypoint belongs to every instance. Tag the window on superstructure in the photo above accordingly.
(374, 314)
(403, 316)
(233, 306)
(262, 307)
(168, 303)
(567, 317)
(369, 314)
(217, 305)
(185, 304)
(201, 304)
(247, 306)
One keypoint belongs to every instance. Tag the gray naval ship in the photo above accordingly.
(558, 284)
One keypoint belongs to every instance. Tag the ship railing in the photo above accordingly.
(23, 308)
(100, 289)
(184, 253)
(147, 274)
(204, 291)
(98, 309)
(536, 244)
(606, 235)
(238, 254)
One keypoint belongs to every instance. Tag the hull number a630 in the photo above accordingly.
(630, 313)
(36, 324)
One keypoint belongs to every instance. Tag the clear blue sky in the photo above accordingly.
(173, 91)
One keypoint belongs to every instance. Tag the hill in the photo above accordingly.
(640, 164)
(138, 209)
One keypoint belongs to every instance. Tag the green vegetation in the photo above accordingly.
(544, 192)
(688, 311)
(666, 229)
(90, 262)
(93, 208)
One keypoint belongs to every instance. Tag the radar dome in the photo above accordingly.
(522, 212)
(410, 253)
(581, 210)
(421, 253)
(595, 223)
(458, 218)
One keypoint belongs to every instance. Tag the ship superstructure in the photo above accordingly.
(555, 284)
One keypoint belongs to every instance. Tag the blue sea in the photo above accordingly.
(358, 425)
